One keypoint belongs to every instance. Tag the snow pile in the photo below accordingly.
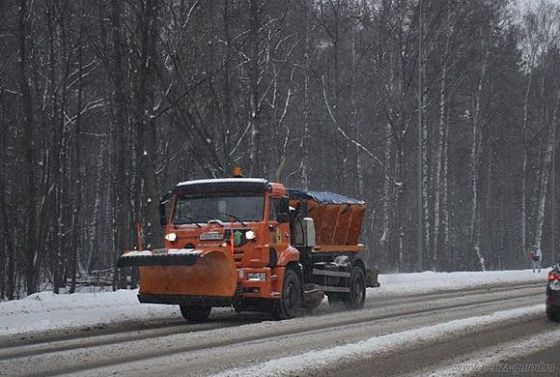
(48, 312)
(426, 282)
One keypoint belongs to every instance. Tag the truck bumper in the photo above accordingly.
(184, 300)
(257, 283)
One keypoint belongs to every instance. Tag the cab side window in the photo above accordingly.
(273, 209)
(279, 210)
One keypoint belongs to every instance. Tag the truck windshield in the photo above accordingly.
(190, 210)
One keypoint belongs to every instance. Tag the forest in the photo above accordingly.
(106, 104)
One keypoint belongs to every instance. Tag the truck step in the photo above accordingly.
(341, 274)
(333, 289)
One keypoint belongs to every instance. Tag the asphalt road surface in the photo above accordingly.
(540, 363)
(231, 340)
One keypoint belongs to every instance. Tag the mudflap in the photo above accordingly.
(372, 278)
(312, 298)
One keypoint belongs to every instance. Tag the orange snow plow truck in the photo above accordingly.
(256, 246)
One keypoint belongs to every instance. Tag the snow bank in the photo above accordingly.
(426, 282)
(46, 311)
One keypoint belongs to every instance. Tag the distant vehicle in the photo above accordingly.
(256, 246)
(553, 294)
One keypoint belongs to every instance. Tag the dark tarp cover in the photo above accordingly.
(322, 197)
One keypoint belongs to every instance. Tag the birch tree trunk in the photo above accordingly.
(445, 196)
(254, 76)
(523, 215)
(543, 183)
(423, 93)
(227, 86)
(77, 174)
(475, 154)
(438, 167)
(305, 140)
(438, 157)
(387, 190)
(426, 187)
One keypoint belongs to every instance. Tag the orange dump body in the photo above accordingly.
(336, 224)
(337, 219)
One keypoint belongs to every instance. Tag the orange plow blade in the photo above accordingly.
(213, 274)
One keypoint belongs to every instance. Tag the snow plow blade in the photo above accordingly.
(154, 258)
(184, 272)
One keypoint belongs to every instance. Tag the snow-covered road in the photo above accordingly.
(109, 333)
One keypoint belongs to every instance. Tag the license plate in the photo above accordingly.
(211, 236)
(159, 251)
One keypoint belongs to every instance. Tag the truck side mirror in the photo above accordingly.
(283, 210)
(309, 231)
(163, 208)
(304, 232)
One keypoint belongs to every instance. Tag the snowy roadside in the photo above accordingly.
(427, 282)
(46, 311)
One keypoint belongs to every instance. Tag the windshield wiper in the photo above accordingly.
(191, 219)
(234, 217)
(219, 222)
(215, 221)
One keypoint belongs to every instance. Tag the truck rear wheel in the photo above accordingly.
(289, 305)
(195, 313)
(356, 297)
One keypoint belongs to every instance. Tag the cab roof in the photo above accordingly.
(229, 185)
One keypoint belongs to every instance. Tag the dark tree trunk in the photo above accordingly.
(31, 268)
(120, 207)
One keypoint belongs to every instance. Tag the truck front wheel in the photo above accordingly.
(290, 304)
(195, 313)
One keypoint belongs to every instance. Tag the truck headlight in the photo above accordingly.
(256, 276)
(250, 235)
(171, 237)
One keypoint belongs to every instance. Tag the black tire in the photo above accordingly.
(289, 306)
(195, 313)
(551, 314)
(356, 297)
